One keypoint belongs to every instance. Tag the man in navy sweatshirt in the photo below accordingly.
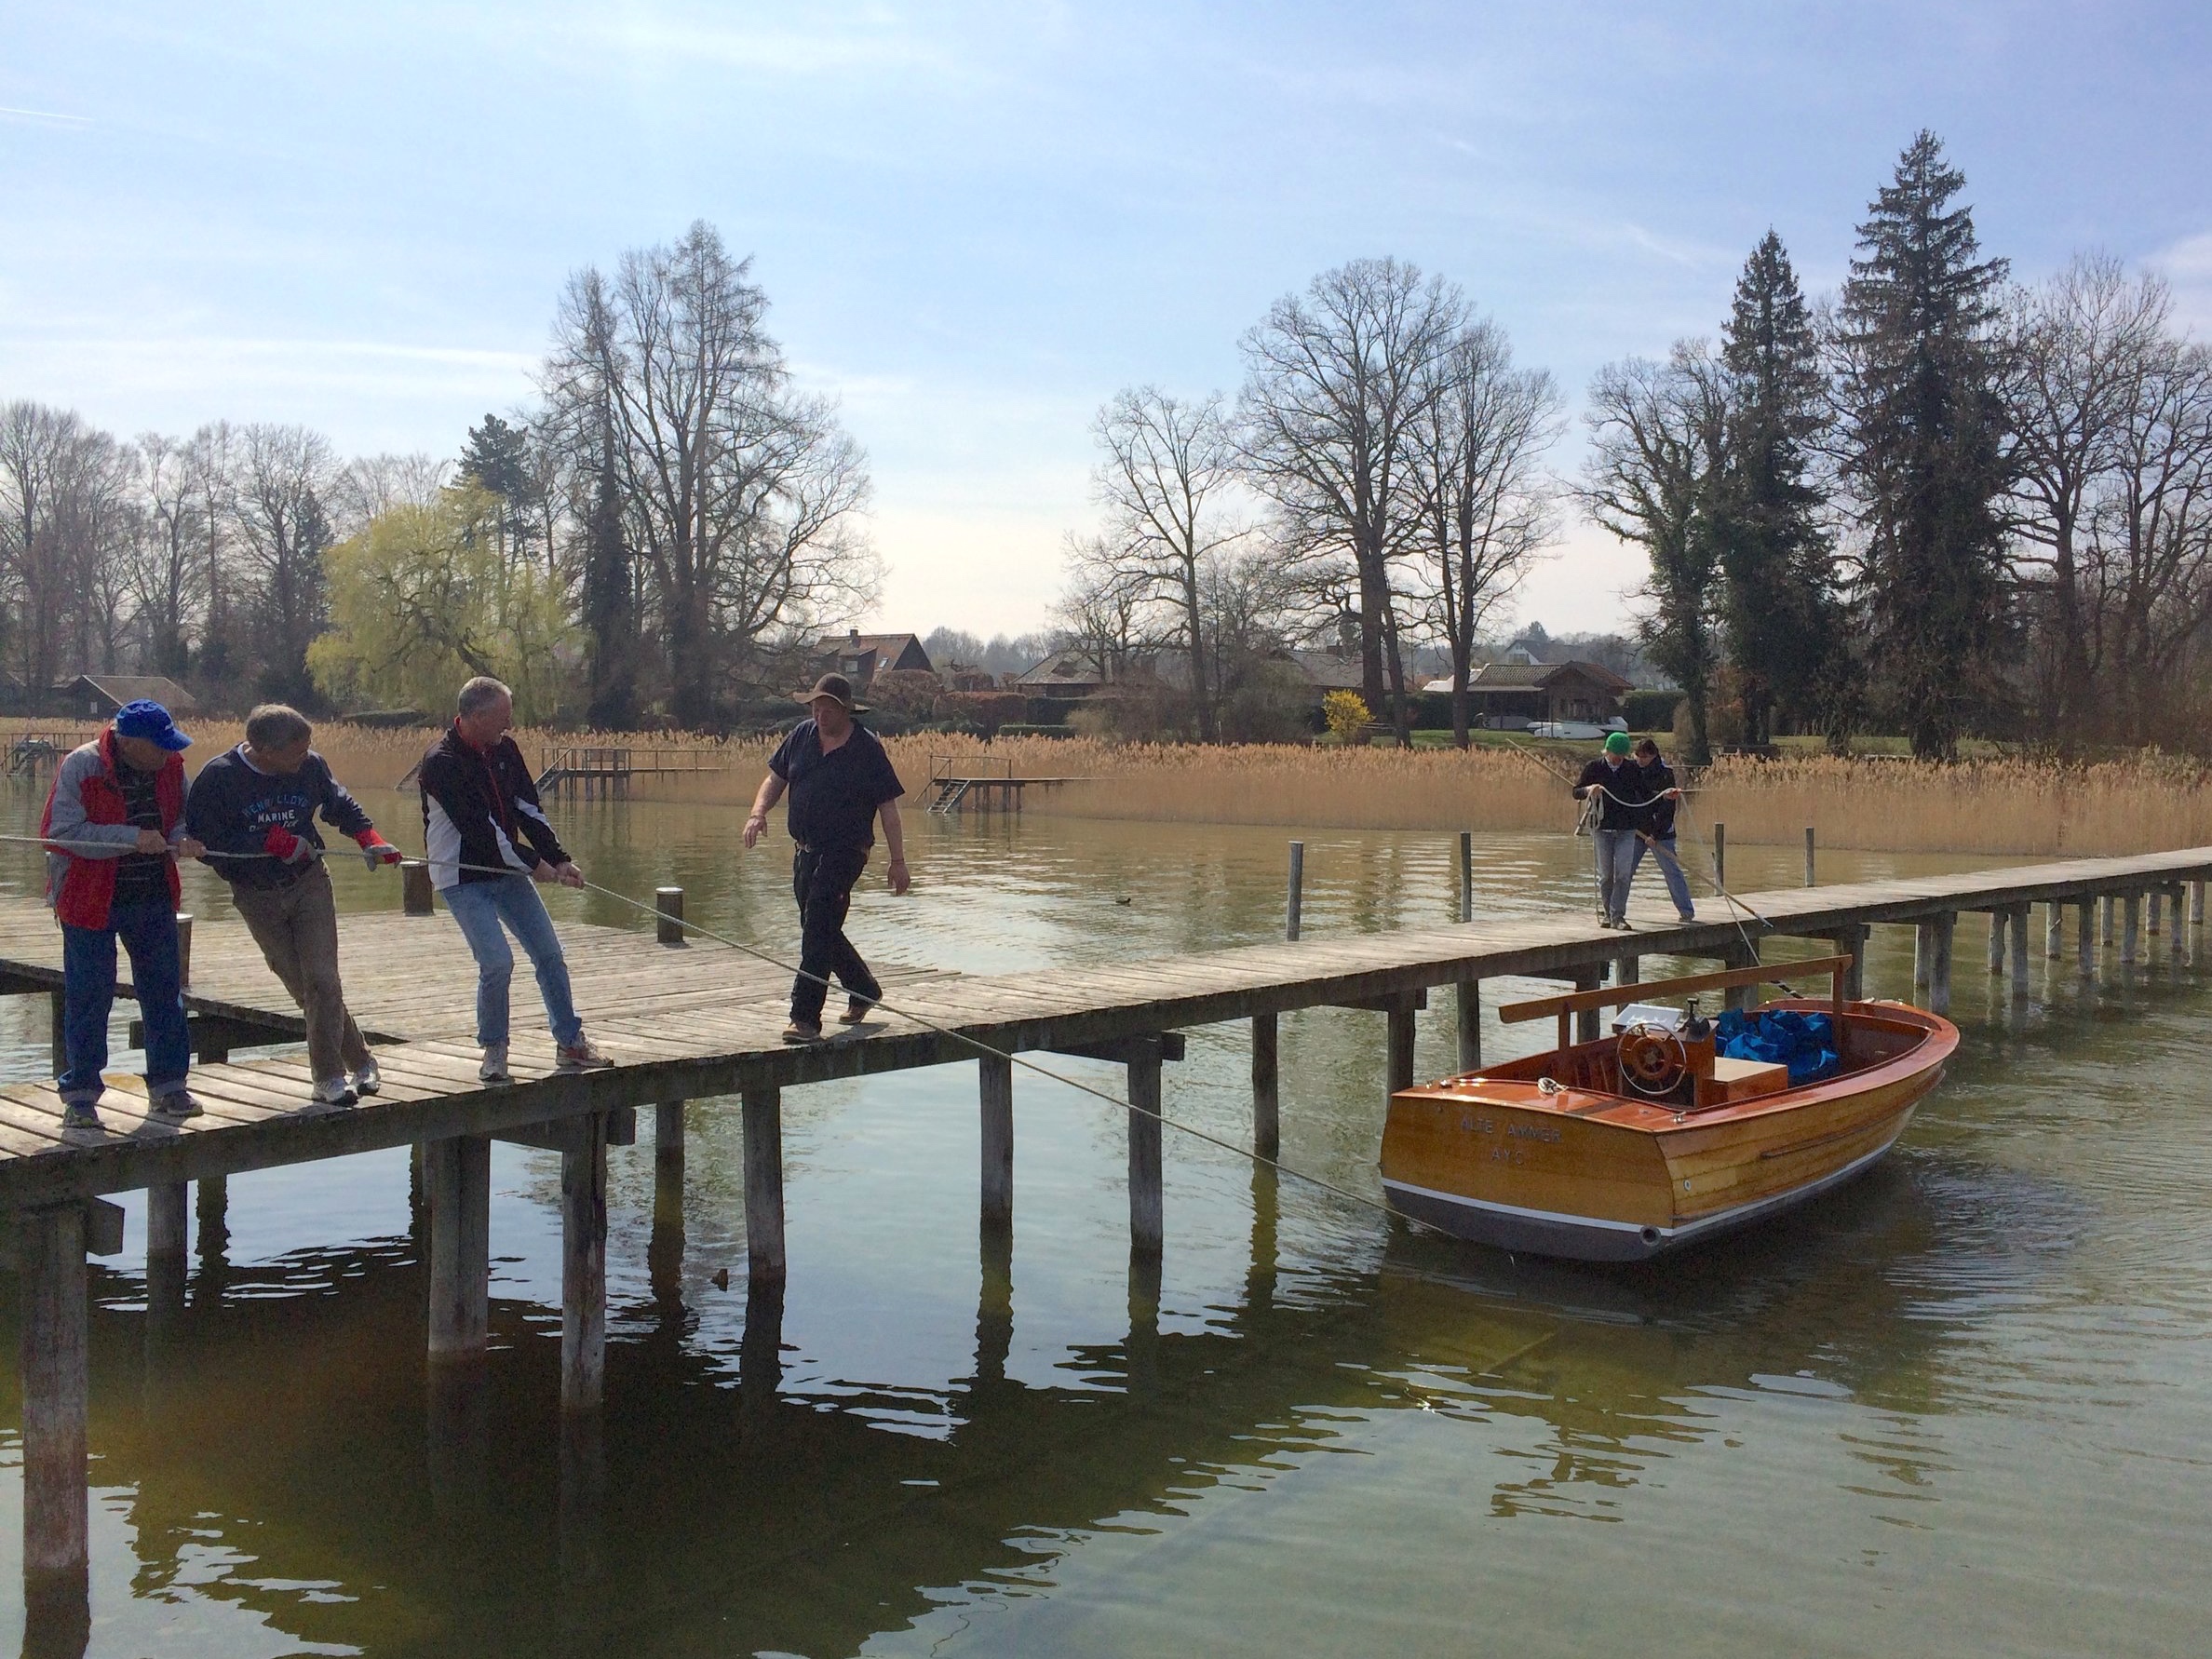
(256, 807)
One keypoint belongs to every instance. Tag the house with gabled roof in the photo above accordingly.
(860, 657)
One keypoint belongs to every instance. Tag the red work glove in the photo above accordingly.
(377, 850)
(282, 844)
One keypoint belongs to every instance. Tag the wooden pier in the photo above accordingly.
(693, 1022)
(966, 783)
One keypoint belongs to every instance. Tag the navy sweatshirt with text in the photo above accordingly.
(233, 806)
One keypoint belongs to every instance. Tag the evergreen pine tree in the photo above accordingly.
(497, 458)
(1780, 615)
(1926, 449)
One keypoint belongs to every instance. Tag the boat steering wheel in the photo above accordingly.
(1653, 1059)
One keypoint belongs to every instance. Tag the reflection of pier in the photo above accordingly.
(693, 1023)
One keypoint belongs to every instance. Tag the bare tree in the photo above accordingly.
(1166, 467)
(372, 484)
(2084, 352)
(1100, 611)
(63, 496)
(1335, 380)
(168, 579)
(1658, 452)
(740, 498)
(283, 476)
(1476, 468)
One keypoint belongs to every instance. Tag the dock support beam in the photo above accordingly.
(2196, 904)
(1147, 1224)
(166, 1226)
(457, 1174)
(1931, 960)
(1267, 1106)
(50, 1253)
(2018, 930)
(995, 1074)
(2153, 903)
(1585, 1021)
(2105, 909)
(762, 1111)
(584, 1267)
(2131, 927)
(1998, 920)
(2054, 931)
(1470, 1025)
(1851, 942)
(2178, 946)
(1401, 1033)
(414, 888)
(2085, 938)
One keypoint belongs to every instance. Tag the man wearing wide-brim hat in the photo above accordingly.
(841, 782)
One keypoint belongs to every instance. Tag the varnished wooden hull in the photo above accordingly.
(1594, 1176)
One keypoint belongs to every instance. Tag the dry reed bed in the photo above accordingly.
(2000, 807)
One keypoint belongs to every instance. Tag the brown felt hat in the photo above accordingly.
(833, 685)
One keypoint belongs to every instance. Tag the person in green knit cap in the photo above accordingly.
(1623, 794)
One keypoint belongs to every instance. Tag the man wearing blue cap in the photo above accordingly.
(113, 829)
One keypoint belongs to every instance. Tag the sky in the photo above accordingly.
(976, 222)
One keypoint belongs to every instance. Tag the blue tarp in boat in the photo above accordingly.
(1805, 1043)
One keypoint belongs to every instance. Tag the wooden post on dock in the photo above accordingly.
(1720, 856)
(2153, 902)
(1297, 897)
(664, 1246)
(1809, 881)
(58, 1049)
(584, 1266)
(183, 950)
(2177, 940)
(1852, 942)
(762, 1110)
(2131, 927)
(667, 904)
(1997, 924)
(1402, 1028)
(2054, 930)
(212, 1206)
(1585, 1019)
(1627, 970)
(457, 1177)
(50, 1257)
(1741, 954)
(166, 1226)
(2018, 930)
(2196, 904)
(1147, 1224)
(1267, 1109)
(415, 893)
(2085, 938)
(995, 1074)
(1939, 983)
(1469, 995)
(2104, 909)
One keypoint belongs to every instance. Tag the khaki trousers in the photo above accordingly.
(297, 930)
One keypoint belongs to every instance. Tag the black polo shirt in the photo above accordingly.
(834, 796)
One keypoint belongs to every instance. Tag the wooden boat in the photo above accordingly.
(1631, 1145)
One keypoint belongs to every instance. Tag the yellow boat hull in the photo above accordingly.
(1499, 1157)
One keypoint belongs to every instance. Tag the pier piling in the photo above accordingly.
(2085, 938)
(1147, 1225)
(2017, 928)
(667, 904)
(415, 895)
(584, 1267)
(1267, 1109)
(762, 1110)
(2131, 928)
(996, 1077)
(457, 1178)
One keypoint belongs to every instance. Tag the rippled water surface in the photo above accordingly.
(1959, 1408)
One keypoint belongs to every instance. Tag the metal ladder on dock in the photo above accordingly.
(949, 791)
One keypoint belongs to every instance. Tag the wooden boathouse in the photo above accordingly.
(690, 1021)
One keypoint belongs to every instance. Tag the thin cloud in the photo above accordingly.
(43, 117)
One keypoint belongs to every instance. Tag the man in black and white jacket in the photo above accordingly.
(488, 839)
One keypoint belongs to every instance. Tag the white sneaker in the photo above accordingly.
(367, 1080)
(334, 1091)
(495, 1069)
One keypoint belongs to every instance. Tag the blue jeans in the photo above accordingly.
(1616, 863)
(479, 908)
(1670, 865)
(149, 934)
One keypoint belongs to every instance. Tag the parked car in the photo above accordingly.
(1576, 730)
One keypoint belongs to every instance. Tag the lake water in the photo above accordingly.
(1961, 1408)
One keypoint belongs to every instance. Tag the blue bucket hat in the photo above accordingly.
(149, 720)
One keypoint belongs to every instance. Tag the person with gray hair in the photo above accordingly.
(257, 806)
(488, 838)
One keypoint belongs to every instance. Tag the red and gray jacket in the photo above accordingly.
(85, 814)
(477, 804)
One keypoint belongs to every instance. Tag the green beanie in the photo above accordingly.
(1616, 743)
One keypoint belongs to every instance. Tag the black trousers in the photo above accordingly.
(822, 883)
